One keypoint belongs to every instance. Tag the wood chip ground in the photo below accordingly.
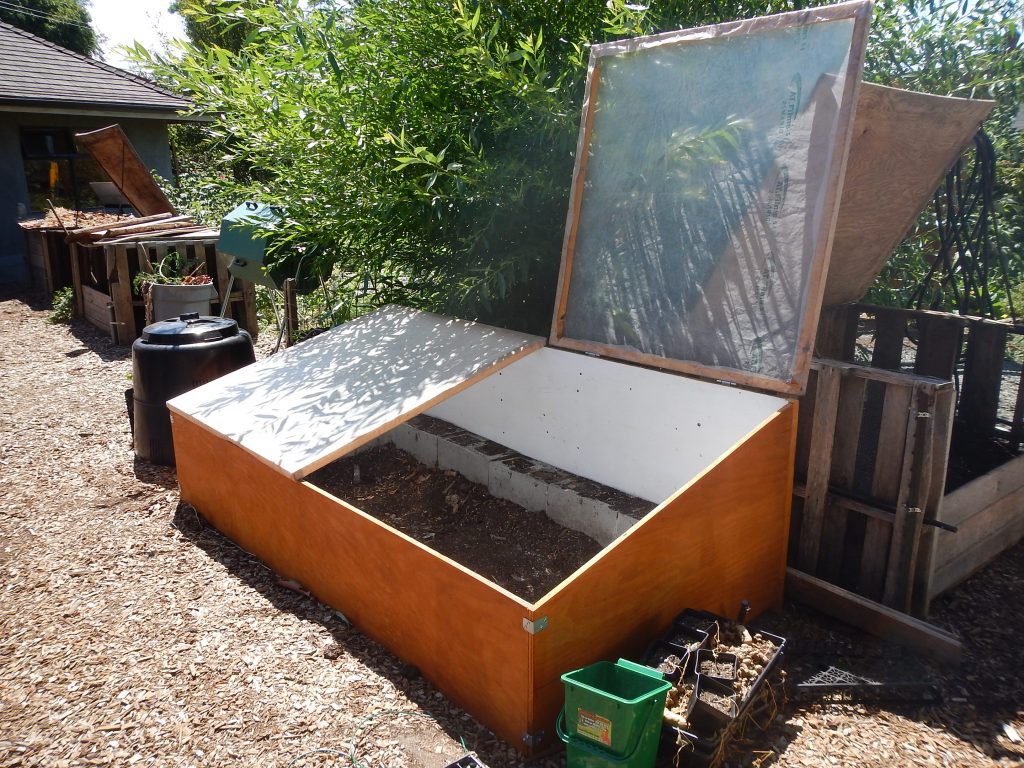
(132, 634)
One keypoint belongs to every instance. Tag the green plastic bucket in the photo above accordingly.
(612, 715)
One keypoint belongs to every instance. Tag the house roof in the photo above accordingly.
(37, 73)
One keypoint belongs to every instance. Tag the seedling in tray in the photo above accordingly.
(686, 638)
(721, 666)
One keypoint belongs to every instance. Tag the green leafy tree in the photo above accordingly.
(423, 149)
(209, 23)
(64, 22)
(970, 50)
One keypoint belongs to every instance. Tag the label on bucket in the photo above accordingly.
(594, 726)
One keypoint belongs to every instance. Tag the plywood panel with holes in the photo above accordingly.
(719, 540)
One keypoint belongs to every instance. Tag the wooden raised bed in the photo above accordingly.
(102, 276)
(716, 536)
(924, 435)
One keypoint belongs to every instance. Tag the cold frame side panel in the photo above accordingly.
(465, 635)
(720, 540)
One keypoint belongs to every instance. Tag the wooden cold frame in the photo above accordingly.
(858, 13)
(717, 540)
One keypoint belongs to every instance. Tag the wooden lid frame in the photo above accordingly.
(809, 300)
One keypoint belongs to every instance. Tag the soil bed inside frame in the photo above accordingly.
(520, 550)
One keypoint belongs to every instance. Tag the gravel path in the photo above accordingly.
(133, 634)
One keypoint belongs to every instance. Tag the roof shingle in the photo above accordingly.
(37, 72)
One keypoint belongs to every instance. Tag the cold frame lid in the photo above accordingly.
(708, 173)
(308, 405)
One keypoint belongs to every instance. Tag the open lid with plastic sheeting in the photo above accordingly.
(312, 403)
(704, 199)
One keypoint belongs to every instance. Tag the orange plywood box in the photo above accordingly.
(704, 198)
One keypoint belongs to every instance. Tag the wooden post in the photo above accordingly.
(291, 312)
(1017, 423)
(943, 403)
(76, 279)
(886, 484)
(844, 462)
(121, 296)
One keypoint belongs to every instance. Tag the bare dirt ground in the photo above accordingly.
(133, 634)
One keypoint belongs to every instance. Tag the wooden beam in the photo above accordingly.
(76, 234)
(881, 374)
(963, 320)
(872, 617)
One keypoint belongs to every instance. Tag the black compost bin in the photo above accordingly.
(172, 357)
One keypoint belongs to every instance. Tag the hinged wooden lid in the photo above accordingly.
(305, 407)
(704, 198)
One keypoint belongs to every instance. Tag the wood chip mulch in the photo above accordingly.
(131, 633)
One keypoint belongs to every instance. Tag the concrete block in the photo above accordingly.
(417, 443)
(461, 454)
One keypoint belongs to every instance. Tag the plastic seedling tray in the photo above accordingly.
(686, 638)
(466, 761)
(712, 706)
(701, 621)
(705, 746)
(719, 666)
(668, 659)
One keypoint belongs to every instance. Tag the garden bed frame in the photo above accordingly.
(717, 538)
(102, 276)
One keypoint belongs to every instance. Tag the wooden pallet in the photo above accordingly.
(110, 269)
(874, 447)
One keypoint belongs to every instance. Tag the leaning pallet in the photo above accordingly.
(910, 474)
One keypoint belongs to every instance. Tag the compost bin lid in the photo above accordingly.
(704, 198)
(191, 328)
(302, 408)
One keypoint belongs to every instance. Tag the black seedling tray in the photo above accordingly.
(659, 650)
(466, 761)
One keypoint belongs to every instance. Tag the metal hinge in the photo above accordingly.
(533, 627)
(532, 740)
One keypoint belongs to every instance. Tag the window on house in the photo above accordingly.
(55, 169)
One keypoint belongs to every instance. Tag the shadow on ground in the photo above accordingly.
(347, 639)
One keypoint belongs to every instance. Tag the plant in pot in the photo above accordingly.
(175, 287)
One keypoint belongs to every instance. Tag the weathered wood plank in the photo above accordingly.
(818, 468)
(121, 295)
(76, 280)
(906, 530)
(968, 500)
(872, 617)
(938, 346)
(886, 486)
(979, 540)
(837, 332)
(983, 377)
(890, 333)
(943, 406)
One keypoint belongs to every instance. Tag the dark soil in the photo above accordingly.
(525, 552)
